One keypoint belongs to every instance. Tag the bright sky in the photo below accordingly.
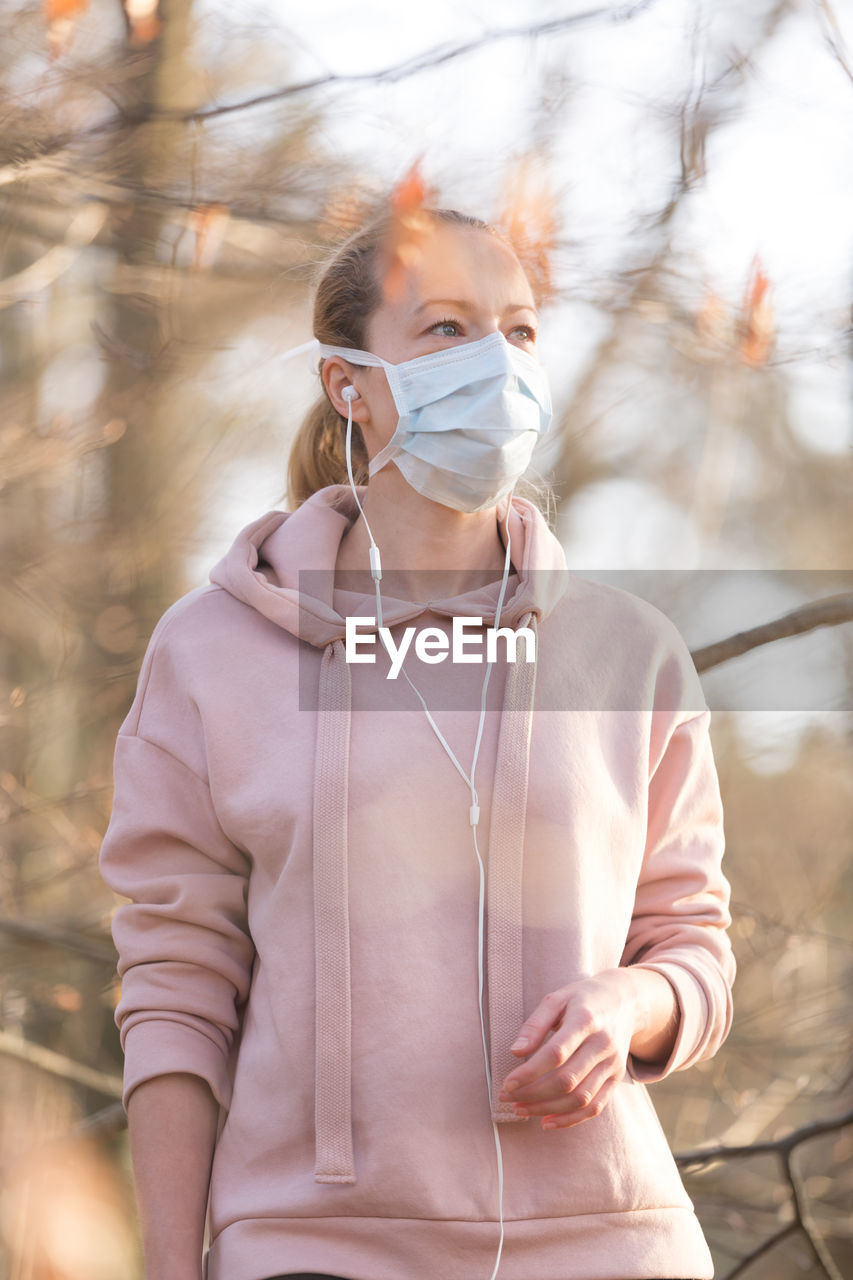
(779, 185)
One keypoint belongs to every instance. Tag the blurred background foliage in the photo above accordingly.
(171, 175)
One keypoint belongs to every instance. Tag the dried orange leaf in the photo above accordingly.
(410, 193)
(409, 230)
(66, 997)
(56, 10)
(757, 326)
(208, 222)
(145, 26)
(528, 218)
(61, 19)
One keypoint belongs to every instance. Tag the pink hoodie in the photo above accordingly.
(302, 930)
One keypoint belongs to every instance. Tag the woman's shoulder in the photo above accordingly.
(202, 627)
(191, 610)
(203, 615)
(626, 634)
(598, 602)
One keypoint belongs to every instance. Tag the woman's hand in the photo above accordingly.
(596, 1022)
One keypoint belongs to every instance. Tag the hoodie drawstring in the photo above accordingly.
(333, 1011)
(505, 876)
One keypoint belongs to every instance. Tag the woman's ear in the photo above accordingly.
(336, 377)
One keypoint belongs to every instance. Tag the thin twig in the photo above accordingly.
(102, 1123)
(765, 1247)
(832, 36)
(806, 1221)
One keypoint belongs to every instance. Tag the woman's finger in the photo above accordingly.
(569, 1092)
(579, 1026)
(543, 1019)
(597, 1095)
(564, 1078)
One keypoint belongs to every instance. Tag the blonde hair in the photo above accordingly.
(348, 293)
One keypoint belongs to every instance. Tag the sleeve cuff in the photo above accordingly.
(693, 1021)
(160, 1046)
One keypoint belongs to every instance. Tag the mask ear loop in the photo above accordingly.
(312, 347)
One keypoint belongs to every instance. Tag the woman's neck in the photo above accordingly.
(428, 551)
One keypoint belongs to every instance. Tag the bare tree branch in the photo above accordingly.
(51, 265)
(775, 1146)
(55, 937)
(434, 57)
(783, 1149)
(59, 1065)
(832, 35)
(830, 612)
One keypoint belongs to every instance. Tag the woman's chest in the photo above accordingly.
(577, 785)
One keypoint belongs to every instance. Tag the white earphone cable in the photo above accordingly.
(474, 810)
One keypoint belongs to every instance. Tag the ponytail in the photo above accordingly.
(318, 454)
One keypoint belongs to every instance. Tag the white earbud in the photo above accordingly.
(350, 393)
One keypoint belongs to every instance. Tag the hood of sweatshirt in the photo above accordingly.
(282, 565)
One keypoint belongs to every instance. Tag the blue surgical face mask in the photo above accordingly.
(469, 418)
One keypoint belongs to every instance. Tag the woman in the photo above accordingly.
(409, 932)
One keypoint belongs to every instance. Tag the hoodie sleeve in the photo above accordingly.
(184, 950)
(681, 908)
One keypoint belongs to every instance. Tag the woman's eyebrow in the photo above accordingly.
(462, 305)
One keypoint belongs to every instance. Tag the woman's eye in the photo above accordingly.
(453, 329)
(446, 328)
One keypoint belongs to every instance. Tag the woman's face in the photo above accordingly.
(464, 284)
